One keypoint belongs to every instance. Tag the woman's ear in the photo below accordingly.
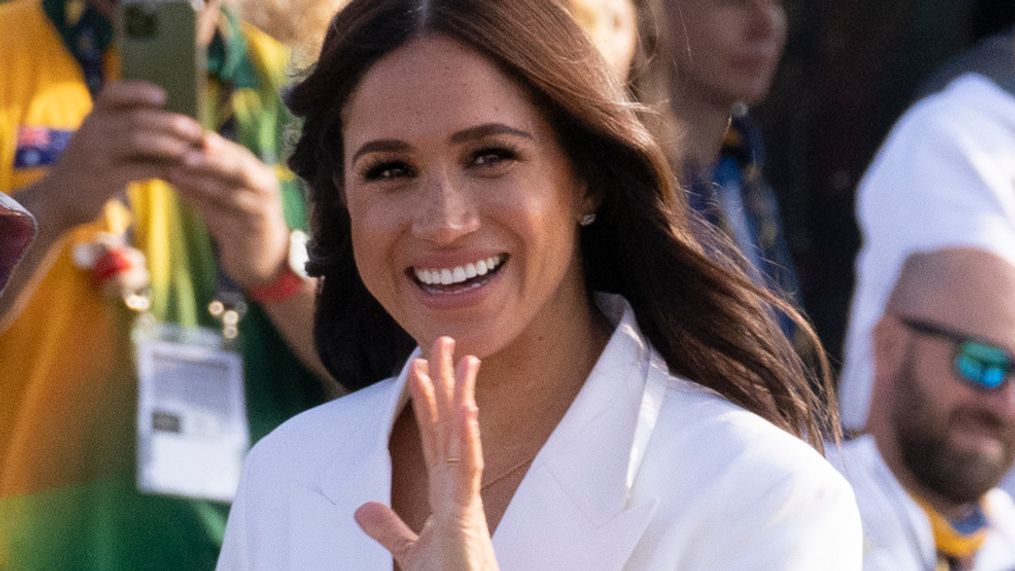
(591, 200)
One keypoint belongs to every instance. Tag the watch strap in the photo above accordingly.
(286, 285)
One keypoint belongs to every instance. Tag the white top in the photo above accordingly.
(897, 533)
(945, 177)
(644, 471)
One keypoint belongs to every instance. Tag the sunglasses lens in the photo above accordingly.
(983, 365)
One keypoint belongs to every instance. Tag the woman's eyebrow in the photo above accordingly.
(487, 129)
(381, 145)
(477, 132)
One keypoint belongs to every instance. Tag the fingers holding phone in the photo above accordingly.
(239, 198)
(128, 136)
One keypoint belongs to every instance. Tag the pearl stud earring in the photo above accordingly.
(588, 219)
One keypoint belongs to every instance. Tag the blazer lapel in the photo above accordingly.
(572, 510)
(324, 534)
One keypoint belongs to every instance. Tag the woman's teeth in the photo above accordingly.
(459, 274)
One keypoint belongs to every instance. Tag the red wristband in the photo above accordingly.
(285, 286)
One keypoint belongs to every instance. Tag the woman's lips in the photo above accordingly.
(458, 278)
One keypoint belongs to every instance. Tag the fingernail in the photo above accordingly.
(192, 159)
(159, 96)
(212, 141)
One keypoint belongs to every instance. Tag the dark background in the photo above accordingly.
(850, 69)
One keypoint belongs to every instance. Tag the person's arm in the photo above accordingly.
(126, 137)
(239, 198)
(808, 520)
(294, 317)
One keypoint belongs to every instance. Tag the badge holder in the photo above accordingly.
(191, 419)
(192, 431)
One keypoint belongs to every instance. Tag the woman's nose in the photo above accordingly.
(447, 211)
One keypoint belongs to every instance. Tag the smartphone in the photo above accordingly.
(158, 43)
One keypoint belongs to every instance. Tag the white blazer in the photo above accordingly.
(645, 471)
(897, 533)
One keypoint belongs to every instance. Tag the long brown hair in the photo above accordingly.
(696, 305)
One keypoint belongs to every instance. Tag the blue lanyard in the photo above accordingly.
(87, 35)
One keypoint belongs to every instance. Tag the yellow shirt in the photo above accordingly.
(68, 497)
(64, 352)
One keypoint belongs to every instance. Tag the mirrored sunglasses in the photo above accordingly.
(978, 362)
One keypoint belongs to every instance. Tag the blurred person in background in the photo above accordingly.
(612, 25)
(73, 144)
(943, 177)
(299, 24)
(711, 61)
(941, 431)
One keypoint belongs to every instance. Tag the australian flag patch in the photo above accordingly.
(39, 146)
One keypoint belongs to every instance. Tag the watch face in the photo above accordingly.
(298, 255)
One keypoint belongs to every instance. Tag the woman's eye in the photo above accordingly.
(387, 170)
(493, 157)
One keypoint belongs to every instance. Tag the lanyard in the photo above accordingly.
(87, 35)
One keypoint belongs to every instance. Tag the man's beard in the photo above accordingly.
(960, 476)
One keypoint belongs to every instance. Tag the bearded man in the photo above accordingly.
(941, 430)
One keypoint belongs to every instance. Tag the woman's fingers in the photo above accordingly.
(465, 382)
(465, 439)
(442, 369)
(382, 524)
(425, 409)
(444, 401)
(456, 534)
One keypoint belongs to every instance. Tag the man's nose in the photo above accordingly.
(447, 212)
(1002, 401)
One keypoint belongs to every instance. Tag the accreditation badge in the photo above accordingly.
(191, 418)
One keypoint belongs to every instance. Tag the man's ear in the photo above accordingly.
(889, 342)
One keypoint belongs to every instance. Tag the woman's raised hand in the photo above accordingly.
(455, 536)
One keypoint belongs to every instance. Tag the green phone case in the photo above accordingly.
(158, 43)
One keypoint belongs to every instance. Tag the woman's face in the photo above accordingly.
(727, 51)
(464, 206)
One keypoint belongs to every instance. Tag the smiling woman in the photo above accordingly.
(482, 189)
(450, 166)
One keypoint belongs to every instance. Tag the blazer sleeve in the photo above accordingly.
(808, 520)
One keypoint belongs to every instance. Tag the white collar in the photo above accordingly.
(578, 485)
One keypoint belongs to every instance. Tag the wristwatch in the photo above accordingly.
(293, 276)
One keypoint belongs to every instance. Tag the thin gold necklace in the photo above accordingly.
(506, 473)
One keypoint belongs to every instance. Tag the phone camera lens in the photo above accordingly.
(140, 21)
